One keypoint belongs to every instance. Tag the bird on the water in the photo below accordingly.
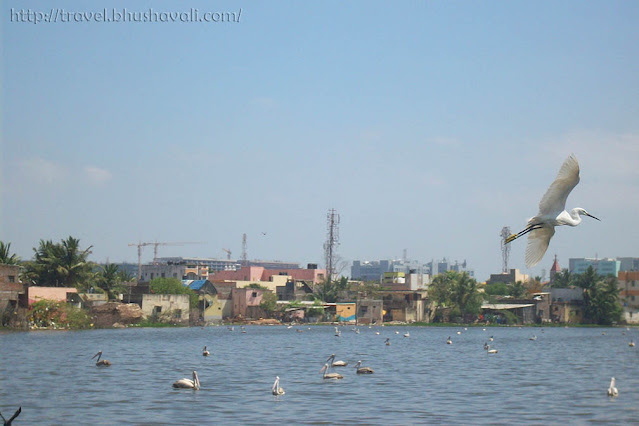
(101, 363)
(363, 370)
(612, 390)
(16, 414)
(552, 212)
(188, 383)
(277, 390)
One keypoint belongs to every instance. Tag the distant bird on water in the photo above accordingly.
(331, 361)
(612, 390)
(205, 352)
(103, 363)
(363, 370)
(16, 414)
(277, 390)
(631, 344)
(552, 213)
(328, 375)
(449, 341)
(188, 383)
(388, 341)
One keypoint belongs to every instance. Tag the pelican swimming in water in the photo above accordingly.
(377, 333)
(533, 337)
(333, 363)
(205, 352)
(363, 370)
(103, 363)
(16, 414)
(631, 344)
(459, 332)
(488, 350)
(407, 334)
(330, 375)
(188, 383)
(491, 338)
(486, 346)
(388, 341)
(449, 341)
(277, 390)
(612, 390)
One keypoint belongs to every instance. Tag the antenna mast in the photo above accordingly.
(505, 248)
(332, 241)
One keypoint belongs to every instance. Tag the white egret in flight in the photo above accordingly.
(552, 213)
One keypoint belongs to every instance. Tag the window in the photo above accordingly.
(12, 278)
(162, 274)
(254, 294)
(157, 310)
(177, 313)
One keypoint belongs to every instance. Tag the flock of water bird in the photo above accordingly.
(328, 370)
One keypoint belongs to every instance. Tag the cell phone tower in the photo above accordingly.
(332, 241)
(505, 248)
(244, 251)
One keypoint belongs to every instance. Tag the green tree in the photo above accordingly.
(125, 276)
(465, 295)
(269, 302)
(601, 298)
(5, 255)
(61, 264)
(328, 291)
(517, 290)
(563, 279)
(109, 279)
(497, 289)
(173, 286)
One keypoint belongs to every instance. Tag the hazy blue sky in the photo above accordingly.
(427, 125)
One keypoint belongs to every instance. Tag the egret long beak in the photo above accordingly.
(512, 237)
(588, 214)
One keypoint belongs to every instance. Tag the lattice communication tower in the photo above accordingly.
(505, 248)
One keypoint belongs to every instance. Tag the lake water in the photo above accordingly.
(561, 377)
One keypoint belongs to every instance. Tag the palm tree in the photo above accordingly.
(563, 279)
(464, 294)
(108, 279)
(61, 264)
(5, 256)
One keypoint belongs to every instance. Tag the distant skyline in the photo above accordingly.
(428, 126)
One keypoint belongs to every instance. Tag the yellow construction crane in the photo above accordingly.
(228, 253)
(155, 251)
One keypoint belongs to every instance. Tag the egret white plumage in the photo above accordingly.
(277, 390)
(612, 390)
(188, 383)
(552, 213)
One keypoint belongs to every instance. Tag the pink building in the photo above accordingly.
(244, 299)
(58, 294)
(259, 273)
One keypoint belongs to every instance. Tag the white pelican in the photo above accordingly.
(486, 346)
(377, 332)
(449, 341)
(188, 383)
(290, 326)
(397, 332)
(533, 337)
(631, 344)
(407, 334)
(16, 414)
(612, 390)
(103, 363)
(363, 370)
(205, 352)
(277, 390)
(459, 332)
(388, 341)
(333, 363)
(491, 338)
(243, 329)
(330, 375)
(492, 351)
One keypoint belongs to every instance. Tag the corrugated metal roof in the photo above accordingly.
(506, 305)
(196, 284)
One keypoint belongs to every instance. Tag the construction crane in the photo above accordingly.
(155, 251)
(228, 253)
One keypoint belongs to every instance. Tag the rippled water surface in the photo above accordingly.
(561, 377)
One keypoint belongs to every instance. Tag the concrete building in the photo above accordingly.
(375, 270)
(405, 306)
(443, 265)
(628, 263)
(275, 264)
(213, 264)
(57, 294)
(210, 305)
(13, 294)
(179, 271)
(628, 282)
(566, 305)
(370, 311)
(245, 302)
(603, 267)
(168, 307)
(511, 277)
(261, 274)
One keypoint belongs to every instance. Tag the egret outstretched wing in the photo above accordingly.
(554, 200)
(538, 241)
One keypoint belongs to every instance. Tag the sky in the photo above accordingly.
(428, 126)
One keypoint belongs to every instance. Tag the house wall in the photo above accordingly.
(175, 304)
(245, 297)
(345, 312)
(215, 312)
(58, 294)
(628, 283)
